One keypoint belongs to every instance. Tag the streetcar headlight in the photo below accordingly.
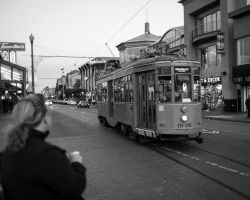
(184, 118)
(184, 109)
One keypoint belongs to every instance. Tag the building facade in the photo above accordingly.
(131, 49)
(241, 36)
(72, 77)
(94, 69)
(171, 42)
(13, 84)
(209, 38)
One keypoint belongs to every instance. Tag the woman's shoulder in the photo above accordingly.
(41, 147)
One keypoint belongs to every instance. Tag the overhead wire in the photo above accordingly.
(122, 27)
(105, 44)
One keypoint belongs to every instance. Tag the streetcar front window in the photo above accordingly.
(197, 89)
(164, 89)
(182, 89)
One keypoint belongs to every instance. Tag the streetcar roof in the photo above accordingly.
(142, 62)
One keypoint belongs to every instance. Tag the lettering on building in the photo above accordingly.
(216, 79)
(10, 46)
(182, 70)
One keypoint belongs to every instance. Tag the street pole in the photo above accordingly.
(32, 63)
(62, 83)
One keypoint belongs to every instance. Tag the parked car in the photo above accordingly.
(65, 101)
(83, 104)
(48, 102)
(72, 102)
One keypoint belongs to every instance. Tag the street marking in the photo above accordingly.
(207, 162)
(211, 132)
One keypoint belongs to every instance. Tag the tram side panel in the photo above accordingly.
(124, 113)
(102, 109)
(169, 119)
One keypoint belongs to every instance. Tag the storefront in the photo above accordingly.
(13, 81)
(211, 92)
(241, 76)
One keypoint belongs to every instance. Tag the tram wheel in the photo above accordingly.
(103, 121)
(125, 129)
(132, 135)
(199, 140)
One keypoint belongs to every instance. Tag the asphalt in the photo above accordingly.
(226, 116)
(119, 169)
(206, 114)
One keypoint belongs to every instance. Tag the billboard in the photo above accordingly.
(12, 46)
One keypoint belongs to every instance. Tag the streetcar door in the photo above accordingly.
(111, 99)
(146, 100)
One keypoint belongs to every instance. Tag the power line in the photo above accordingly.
(45, 56)
(129, 21)
(123, 27)
(47, 78)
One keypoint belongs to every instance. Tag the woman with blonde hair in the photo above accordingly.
(32, 168)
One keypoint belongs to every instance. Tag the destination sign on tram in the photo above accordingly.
(182, 70)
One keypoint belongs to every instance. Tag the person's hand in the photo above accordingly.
(75, 157)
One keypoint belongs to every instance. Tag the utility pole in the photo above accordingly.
(32, 63)
(62, 83)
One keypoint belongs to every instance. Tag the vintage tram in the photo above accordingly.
(156, 97)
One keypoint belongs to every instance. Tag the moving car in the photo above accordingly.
(83, 104)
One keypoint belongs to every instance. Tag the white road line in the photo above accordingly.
(234, 132)
(207, 162)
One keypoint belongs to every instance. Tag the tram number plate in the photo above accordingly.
(184, 125)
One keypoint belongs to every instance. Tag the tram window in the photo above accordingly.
(131, 95)
(197, 89)
(164, 89)
(182, 88)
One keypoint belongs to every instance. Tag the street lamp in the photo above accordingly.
(32, 63)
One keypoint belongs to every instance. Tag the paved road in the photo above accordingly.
(118, 168)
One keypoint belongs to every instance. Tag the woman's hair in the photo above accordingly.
(27, 114)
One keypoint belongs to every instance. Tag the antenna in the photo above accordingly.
(146, 15)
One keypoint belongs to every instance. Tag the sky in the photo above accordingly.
(79, 28)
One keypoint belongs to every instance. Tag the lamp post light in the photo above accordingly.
(32, 63)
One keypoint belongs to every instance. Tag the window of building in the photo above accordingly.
(173, 38)
(243, 51)
(17, 75)
(5, 72)
(209, 57)
(248, 2)
(133, 53)
(208, 23)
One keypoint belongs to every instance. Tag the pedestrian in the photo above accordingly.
(248, 106)
(31, 167)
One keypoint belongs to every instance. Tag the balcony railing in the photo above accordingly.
(206, 28)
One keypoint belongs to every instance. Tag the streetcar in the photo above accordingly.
(154, 97)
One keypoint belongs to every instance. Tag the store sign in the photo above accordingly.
(216, 79)
(182, 70)
(96, 61)
(241, 74)
(220, 43)
(12, 46)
